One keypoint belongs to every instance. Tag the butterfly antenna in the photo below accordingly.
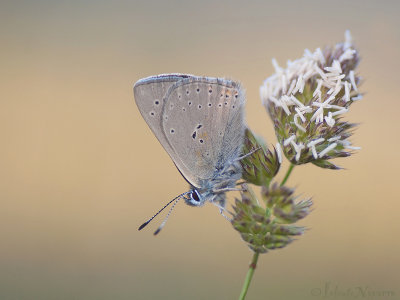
(165, 206)
(166, 217)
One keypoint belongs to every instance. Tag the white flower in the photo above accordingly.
(309, 97)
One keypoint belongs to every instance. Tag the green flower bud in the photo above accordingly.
(269, 226)
(263, 164)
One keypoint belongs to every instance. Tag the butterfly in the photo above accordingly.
(200, 123)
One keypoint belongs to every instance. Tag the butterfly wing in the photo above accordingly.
(149, 94)
(203, 122)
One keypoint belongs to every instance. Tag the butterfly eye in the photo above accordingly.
(195, 196)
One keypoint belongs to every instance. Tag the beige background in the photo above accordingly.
(80, 170)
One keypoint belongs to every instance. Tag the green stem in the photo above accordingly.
(254, 260)
(249, 275)
(287, 174)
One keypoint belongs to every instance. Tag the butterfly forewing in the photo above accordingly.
(149, 94)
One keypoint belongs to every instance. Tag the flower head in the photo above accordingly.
(307, 100)
(269, 226)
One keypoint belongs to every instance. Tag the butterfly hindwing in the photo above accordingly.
(203, 122)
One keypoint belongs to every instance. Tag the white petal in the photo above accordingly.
(327, 149)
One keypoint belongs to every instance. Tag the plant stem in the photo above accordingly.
(287, 174)
(254, 260)
(249, 276)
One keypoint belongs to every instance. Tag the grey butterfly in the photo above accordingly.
(200, 123)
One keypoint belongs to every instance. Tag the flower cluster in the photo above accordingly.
(269, 226)
(307, 100)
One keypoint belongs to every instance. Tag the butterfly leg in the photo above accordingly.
(221, 210)
(240, 182)
(248, 154)
(223, 190)
(219, 202)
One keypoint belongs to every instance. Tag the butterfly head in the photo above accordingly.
(195, 198)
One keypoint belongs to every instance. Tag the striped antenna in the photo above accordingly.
(165, 220)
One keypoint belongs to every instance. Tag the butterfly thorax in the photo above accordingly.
(213, 189)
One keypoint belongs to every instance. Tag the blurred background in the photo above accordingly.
(80, 170)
